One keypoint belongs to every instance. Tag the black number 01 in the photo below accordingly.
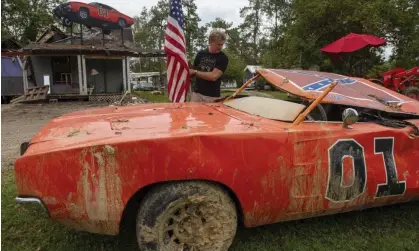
(342, 149)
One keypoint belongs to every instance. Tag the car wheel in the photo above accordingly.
(186, 216)
(412, 92)
(83, 13)
(67, 22)
(122, 23)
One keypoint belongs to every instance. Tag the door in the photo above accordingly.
(337, 169)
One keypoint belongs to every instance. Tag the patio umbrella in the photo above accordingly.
(352, 42)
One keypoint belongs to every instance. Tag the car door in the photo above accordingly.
(102, 12)
(336, 169)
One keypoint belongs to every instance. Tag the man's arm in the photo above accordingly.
(218, 71)
(210, 76)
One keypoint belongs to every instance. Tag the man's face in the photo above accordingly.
(217, 45)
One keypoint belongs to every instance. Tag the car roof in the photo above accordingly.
(103, 5)
(350, 91)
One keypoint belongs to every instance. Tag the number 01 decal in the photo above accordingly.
(350, 148)
(392, 187)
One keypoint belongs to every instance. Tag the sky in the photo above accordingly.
(208, 10)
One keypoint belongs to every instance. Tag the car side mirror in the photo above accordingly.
(349, 116)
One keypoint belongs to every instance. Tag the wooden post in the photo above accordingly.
(103, 37)
(128, 75)
(84, 74)
(303, 115)
(81, 34)
(243, 86)
(124, 76)
(122, 36)
(80, 71)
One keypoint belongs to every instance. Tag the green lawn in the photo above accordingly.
(387, 228)
(152, 98)
(163, 98)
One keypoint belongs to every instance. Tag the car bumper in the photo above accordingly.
(34, 205)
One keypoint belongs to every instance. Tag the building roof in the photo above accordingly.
(91, 42)
(10, 67)
(10, 44)
(252, 68)
(78, 49)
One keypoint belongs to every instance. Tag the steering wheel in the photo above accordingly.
(317, 114)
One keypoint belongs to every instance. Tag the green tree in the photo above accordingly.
(25, 19)
(192, 30)
(251, 27)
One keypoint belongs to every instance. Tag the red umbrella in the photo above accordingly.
(352, 42)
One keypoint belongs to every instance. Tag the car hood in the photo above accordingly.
(350, 91)
(117, 124)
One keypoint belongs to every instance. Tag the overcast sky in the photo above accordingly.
(208, 10)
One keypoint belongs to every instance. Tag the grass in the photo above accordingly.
(164, 99)
(388, 228)
(152, 98)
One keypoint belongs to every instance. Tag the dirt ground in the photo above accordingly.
(20, 122)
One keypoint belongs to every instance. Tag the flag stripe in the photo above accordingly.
(175, 80)
(174, 25)
(178, 87)
(173, 32)
(178, 80)
(176, 44)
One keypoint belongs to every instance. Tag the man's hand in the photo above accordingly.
(192, 72)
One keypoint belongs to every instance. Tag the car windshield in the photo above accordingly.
(268, 108)
(101, 5)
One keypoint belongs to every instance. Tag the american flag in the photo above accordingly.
(175, 47)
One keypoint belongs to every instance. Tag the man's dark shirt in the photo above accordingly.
(206, 62)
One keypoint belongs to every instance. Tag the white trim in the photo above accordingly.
(84, 74)
(128, 74)
(299, 87)
(335, 93)
(379, 90)
(124, 74)
(79, 69)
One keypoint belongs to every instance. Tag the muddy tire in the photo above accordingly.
(84, 13)
(122, 23)
(186, 216)
(412, 92)
(67, 22)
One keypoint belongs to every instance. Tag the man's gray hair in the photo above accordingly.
(217, 35)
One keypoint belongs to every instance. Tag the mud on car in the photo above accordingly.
(191, 173)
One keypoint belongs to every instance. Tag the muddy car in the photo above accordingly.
(193, 172)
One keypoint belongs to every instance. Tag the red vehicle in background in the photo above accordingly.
(92, 14)
(401, 80)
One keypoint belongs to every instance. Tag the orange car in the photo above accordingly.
(190, 173)
(92, 14)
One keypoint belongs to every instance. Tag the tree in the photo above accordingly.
(251, 26)
(24, 19)
(192, 30)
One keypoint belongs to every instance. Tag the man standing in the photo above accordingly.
(209, 65)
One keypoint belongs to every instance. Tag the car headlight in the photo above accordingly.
(23, 147)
